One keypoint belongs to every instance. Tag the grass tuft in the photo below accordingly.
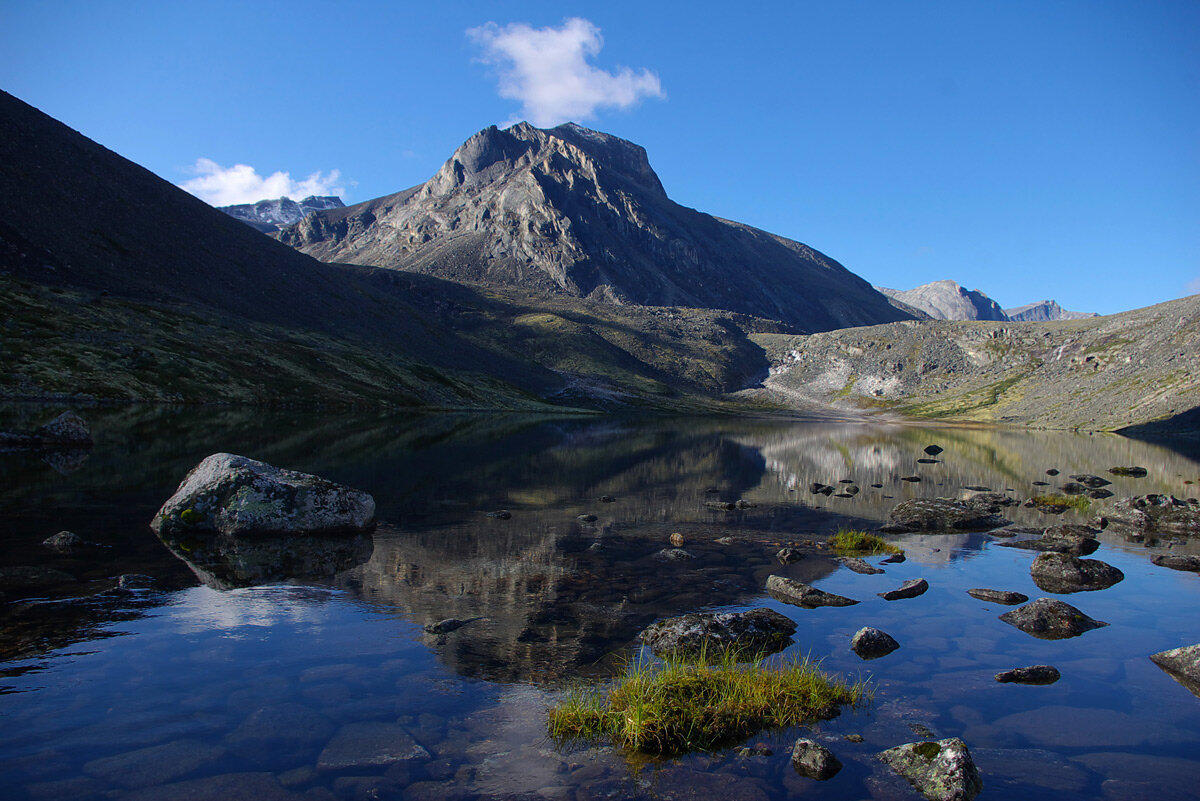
(1061, 503)
(687, 704)
(850, 541)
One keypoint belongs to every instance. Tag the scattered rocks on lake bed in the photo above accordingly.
(1184, 562)
(909, 589)
(1182, 664)
(1005, 597)
(814, 761)
(798, 593)
(1034, 674)
(761, 630)
(941, 770)
(1051, 619)
(1063, 573)
(871, 643)
(236, 496)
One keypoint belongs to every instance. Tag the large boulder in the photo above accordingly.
(1163, 515)
(1051, 619)
(1183, 665)
(980, 513)
(941, 770)
(758, 630)
(1062, 573)
(798, 593)
(237, 496)
(67, 431)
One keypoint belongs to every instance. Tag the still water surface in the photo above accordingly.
(268, 670)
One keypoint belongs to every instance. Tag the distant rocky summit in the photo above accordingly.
(1045, 310)
(948, 300)
(575, 212)
(269, 216)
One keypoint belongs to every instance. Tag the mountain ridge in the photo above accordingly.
(272, 214)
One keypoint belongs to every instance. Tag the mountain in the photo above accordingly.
(269, 216)
(948, 300)
(117, 285)
(576, 212)
(1043, 311)
(1100, 373)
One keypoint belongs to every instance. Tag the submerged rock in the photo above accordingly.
(798, 593)
(859, 566)
(234, 495)
(1182, 664)
(1062, 573)
(1005, 597)
(1034, 674)
(758, 630)
(813, 760)
(1178, 562)
(944, 514)
(909, 589)
(1051, 619)
(941, 770)
(871, 643)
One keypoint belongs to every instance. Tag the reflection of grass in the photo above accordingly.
(1061, 503)
(687, 704)
(849, 541)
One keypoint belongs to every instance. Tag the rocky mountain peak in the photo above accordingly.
(948, 300)
(273, 214)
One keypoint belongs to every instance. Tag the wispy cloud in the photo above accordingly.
(547, 71)
(241, 183)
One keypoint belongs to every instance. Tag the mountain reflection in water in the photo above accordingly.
(334, 626)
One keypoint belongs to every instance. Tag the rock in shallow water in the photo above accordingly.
(859, 566)
(798, 593)
(941, 770)
(909, 589)
(1178, 562)
(1051, 619)
(945, 514)
(871, 643)
(234, 495)
(755, 630)
(813, 760)
(1182, 664)
(1034, 674)
(1062, 573)
(1005, 597)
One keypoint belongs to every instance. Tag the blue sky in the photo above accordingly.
(1028, 149)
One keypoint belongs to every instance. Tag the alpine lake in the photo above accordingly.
(300, 668)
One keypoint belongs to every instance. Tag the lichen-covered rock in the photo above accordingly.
(760, 630)
(1034, 674)
(945, 514)
(1178, 562)
(814, 761)
(1062, 573)
(237, 496)
(1006, 597)
(65, 542)
(798, 593)
(1155, 514)
(941, 770)
(1182, 664)
(871, 643)
(68, 430)
(909, 589)
(1051, 619)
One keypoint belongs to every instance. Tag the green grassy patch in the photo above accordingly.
(682, 704)
(966, 404)
(1061, 503)
(849, 541)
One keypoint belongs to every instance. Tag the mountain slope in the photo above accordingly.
(580, 213)
(1045, 310)
(948, 300)
(269, 216)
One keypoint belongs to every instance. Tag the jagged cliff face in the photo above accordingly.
(948, 300)
(581, 213)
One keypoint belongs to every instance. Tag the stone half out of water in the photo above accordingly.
(236, 496)
(1181, 664)
(758, 630)
(941, 770)
(1051, 619)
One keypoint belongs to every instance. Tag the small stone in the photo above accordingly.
(677, 540)
(859, 566)
(1099, 494)
(977, 488)
(723, 506)
(788, 555)
(1034, 674)
(1052, 472)
(871, 643)
(743, 504)
(800, 594)
(759, 630)
(1128, 472)
(607, 499)
(909, 589)
(911, 479)
(927, 461)
(1090, 481)
(500, 514)
(586, 518)
(814, 761)
(855, 738)
(65, 542)
(895, 558)
(933, 450)
(68, 430)
(448, 625)
(674, 555)
(1005, 597)
(725, 541)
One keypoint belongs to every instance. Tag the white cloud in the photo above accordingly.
(547, 70)
(241, 183)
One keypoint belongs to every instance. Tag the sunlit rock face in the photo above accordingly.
(577, 212)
